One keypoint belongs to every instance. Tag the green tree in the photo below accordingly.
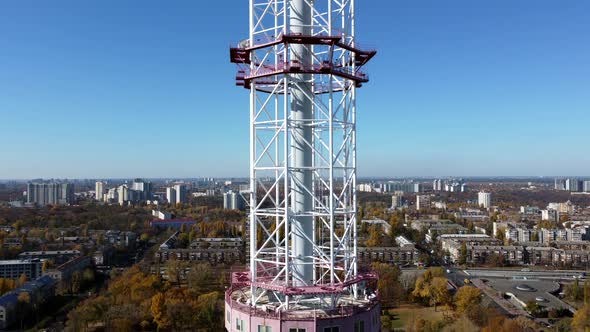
(463, 254)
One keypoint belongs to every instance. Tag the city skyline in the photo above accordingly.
(464, 89)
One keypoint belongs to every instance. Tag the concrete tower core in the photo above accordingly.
(302, 67)
(301, 152)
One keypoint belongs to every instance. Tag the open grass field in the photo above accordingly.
(405, 316)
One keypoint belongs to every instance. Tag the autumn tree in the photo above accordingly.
(158, 309)
(21, 280)
(463, 254)
(6, 285)
(573, 291)
(47, 264)
(374, 237)
(174, 270)
(198, 276)
(466, 297)
(431, 287)
(390, 289)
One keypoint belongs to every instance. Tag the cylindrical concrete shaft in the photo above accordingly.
(301, 152)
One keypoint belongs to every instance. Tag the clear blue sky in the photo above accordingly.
(116, 88)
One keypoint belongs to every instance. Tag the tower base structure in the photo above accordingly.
(360, 315)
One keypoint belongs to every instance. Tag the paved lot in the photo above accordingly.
(540, 288)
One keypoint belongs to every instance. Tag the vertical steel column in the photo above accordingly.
(253, 184)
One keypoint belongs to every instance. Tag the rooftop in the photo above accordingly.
(18, 261)
(183, 220)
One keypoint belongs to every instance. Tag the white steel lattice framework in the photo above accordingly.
(302, 66)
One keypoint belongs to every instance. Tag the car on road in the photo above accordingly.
(540, 299)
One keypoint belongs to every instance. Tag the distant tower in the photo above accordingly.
(180, 190)
(422, 202)
(396, 201)
(301, 64)
(99, 190)
(484, 199)
(171, 195)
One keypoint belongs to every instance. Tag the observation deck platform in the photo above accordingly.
(266, 75)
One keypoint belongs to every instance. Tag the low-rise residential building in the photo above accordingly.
(471, 215)
(14, 268)
(436, 230)
(403, 241)
(162, 215)
(39, 290)
(212, 256)
(407, 254)
(530, 210)
(11, 242)
(217, 243)
(56, 256)
(518, 234)
(384, 225)
(121, 239)
(557, 257)
(172, 223)
(513, 255)
(436, 227)
(103, 255)
(564, 234)
(453, 242)
(67, 269)
(212, 250)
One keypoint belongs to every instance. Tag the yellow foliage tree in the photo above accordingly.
(158, 309)
(581, 320)
(466, 297)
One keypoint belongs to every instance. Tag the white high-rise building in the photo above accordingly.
(99, 190)
(549, 214)
(111, 196)
(422, 202)
(180, 190)
(50, 193)
(143, 189)
(587, 186)
(396, 201)
(233, 201)
(572, 184)
(559, 184)
(437, 185)
(484, 199)
(171, 195)
(123, 194)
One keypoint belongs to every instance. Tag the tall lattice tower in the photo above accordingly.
(302, 66)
